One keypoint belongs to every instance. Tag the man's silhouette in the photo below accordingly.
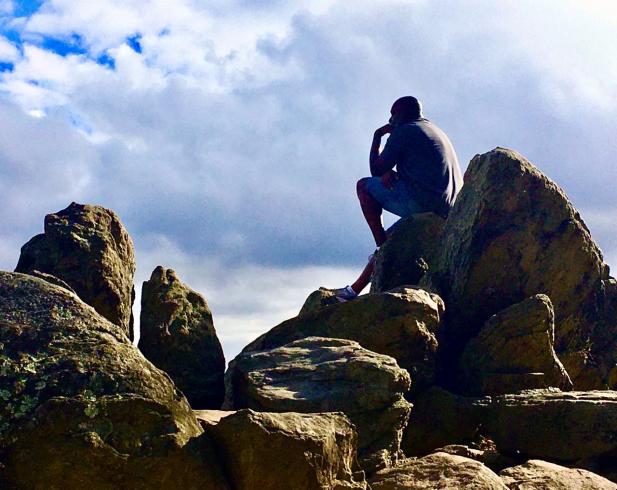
(427, 176)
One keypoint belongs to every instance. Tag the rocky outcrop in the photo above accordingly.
(410, 252)
(88, 248)
(437, 471)
(272, 451)
(540, 475)
(573, 427)
(513, 234)
(328, 375)
(318, 299)
(82, 407)
(178, 336)
(401, 323)
(514, 351)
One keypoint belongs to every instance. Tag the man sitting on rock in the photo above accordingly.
(427, 177)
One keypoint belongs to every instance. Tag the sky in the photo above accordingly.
(229, 135)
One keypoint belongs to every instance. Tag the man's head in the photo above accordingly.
(405, 109)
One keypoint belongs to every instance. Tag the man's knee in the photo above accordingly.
(362, 187)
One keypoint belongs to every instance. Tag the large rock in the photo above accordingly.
(401, 323)
(279, 451)
(568, 427)
(81, 407)
(328, 375)
(540, 475)
(411, 251)
(514, 351)
(437, 471)
(513, 234)
(88, 248)
(178, 336)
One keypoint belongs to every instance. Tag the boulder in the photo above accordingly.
(551, 425)
(437, 471)
(513, 234)
(88, 248)
(412, 249)
(178, 336)
(328, 375)
(81, 406)
(401, 323)
(514, 351)
(272, 451)
(540, 475)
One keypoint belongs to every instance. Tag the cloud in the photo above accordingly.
(8, 51)
(238, 132)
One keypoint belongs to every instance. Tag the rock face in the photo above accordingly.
(437, 471)
(318, 299)
(514, 351)
(540, 475)
(513, 234)
(328, 375)
(548, 424)
(401, 323)
(178, 336)
(88, 248)
(279, 451)
(82, 407)
(411, 250)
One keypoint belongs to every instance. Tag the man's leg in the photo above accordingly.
(372, 210)
(365, 276)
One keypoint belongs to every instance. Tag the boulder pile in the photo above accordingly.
(484, 357)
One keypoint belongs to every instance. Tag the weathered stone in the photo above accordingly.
(410, 251)
(52, 279)
(437, 471)
(318, 299)
(540, 475)
(82, 407)
(401, 323)
(272, 451)
(551, 425)
(514, 351)
(513, 234)
(178, 336)
(440, 418)
(88, 248)
(328, 375)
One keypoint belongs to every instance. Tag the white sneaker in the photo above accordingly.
(345, 294)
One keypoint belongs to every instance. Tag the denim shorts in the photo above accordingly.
(399, 200)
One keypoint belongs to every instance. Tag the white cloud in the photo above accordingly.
(8, 51)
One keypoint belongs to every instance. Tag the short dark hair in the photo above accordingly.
(408, 108)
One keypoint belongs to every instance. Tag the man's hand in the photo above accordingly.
(389, 178)
(380, 132)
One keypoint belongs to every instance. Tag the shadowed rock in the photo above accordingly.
(82, 407)
(513, 234)
(88, 248)
(178, 336)
(327, 375)
(514, 351)
(401, 323)
(437, 471)
(280, 451)
(410, 252)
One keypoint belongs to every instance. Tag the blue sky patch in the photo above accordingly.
(135, 42)
(25, 8)
(74, 45)
(6, 67)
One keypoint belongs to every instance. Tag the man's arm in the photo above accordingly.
(377, 164)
